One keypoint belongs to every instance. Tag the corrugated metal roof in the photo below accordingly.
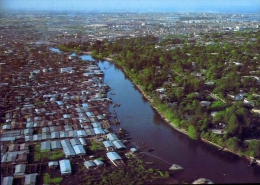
(53, 163)
(96, 125)
(63, 134)
(99, 131)
(98, 162)
(112, 137)
(20, 168)
(45, 130)
(65, 143)
(113, 156)
(55, 135)
(89, 164)
(46, 136)
(46, 145)
(65, 167)
(82, 141)
(29, 125)
(8, 180)
(37, 137)
(73, 133)
(28, 131)
(4, 157)
(79, 150)
(56, 145)
(108, 144)
(90, 132)
(11, 157)
(118, 144)
(68, 151)
(75, 141)
(81, 133)
(7, 139)
(30, 179)
(28, 138)
(53, 129)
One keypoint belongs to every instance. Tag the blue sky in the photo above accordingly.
(134, 5)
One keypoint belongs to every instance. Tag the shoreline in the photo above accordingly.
(178, 129)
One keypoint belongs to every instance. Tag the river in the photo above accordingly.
(144, 124)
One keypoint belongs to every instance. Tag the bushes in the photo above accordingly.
(193, 133)
(47, 179)
(96, 146)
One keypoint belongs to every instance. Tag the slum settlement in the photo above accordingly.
(55, 118)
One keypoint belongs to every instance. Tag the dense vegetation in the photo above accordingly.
(192, 70)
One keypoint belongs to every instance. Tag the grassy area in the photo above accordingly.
(46, 154)
(48, 180)
(96, 146)
(56, 155)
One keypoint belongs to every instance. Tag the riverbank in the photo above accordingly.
(221, 148)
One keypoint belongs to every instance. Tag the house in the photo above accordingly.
(115, 158)
(118, 144)
(20, 169)
(109, 145)
(112, 137)
(81, 133)
(205, 103)
(30, 179)
(89, 164)
(56, 145)
(75, 141)
(98, 162)
(65, 167)
(79, 150)
(7, 180)
(161, 90)
(99, 131)
(53, 164)
(69, 152)
(46, 146)
(82, 141)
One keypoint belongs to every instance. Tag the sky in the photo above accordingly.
(244, 6)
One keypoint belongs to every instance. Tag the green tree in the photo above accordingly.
(232, 143)
(193, 133)
(254, 148)
(233, 125)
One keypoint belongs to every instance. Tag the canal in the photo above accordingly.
(147, 128)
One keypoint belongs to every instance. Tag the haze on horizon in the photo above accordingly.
(243, 6)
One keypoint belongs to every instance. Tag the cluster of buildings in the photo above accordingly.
(53, 107)
(98, 26)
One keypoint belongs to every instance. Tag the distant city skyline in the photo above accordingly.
(243, 6)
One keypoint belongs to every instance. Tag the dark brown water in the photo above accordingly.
(170, 146)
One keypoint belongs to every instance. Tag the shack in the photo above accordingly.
(8, 180)
(79, 150)
(30, 179)
(115, 158)
(65, 167)
(89, 164)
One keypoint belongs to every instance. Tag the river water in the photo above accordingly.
(148, 130)
(144, 124)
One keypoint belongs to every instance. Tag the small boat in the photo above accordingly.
(149, 162)
(175, 167)
(151, 149)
